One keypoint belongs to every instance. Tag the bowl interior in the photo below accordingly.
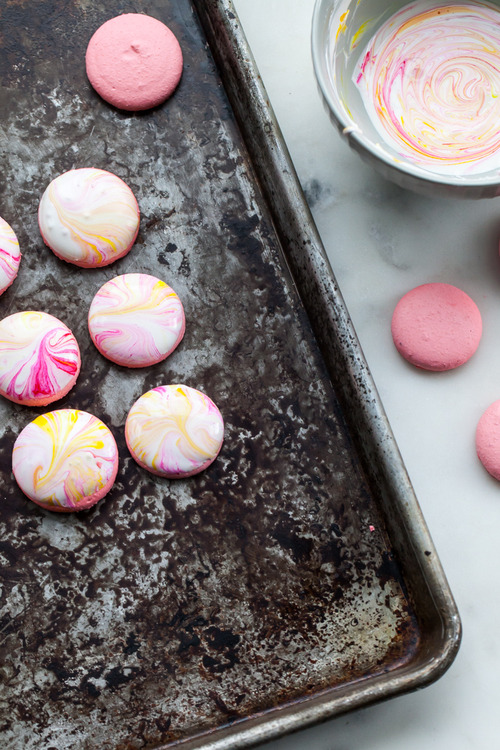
(341, 33)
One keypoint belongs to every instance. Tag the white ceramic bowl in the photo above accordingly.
(341, 31)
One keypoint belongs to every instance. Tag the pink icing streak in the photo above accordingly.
(55, 355)
(39, 358)
(430, 81)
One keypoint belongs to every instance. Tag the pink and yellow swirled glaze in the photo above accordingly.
(88, 217)
(65, 460)
(39, 358)
(136, 320)
(174, 431)
(10, 255)
(430, 82)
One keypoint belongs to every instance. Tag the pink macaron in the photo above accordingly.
(488, 439)
(134, 62)
(436, 326)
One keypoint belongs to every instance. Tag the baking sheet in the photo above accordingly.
(225, 606)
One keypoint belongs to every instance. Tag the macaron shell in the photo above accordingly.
(65, 460)
(134, 62)
(436, 327)
(89, 217)
(10, 255)
(488, 439)
(174, 431)
(39, 358)
(136, 320)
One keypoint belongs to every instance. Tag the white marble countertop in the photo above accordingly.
(382, 241)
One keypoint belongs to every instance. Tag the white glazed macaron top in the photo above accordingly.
(39, 358)
(136, 320)
(174, 431)
(65, 460)
(10, 255)
(88, 217)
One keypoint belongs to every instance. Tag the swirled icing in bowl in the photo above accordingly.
(10, 255)
(174, 431)
(65, 460)
(39, 358)
(429, 79)
(88, 217)
(136, 320)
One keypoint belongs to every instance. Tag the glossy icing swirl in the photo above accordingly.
(174, 431)
(39, 358)
(10, 255)
(430, 82)
(136, 320)
(88, 217)
(65, 460)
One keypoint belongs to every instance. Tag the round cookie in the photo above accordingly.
(65, 460)
(134, 62)
(174, 431)
(88, 217)
(136, 320)
(39, 358)
(10, 255)
(488, 439)
(436, 327)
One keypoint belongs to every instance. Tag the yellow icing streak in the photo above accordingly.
(358, 34)
(343, 25)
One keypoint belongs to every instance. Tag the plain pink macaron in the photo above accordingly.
(134, 61)
(436, 326)
(488, 439)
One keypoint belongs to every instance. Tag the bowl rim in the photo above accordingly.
(323, 9)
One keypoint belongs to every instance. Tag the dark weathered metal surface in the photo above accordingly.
(175, 608)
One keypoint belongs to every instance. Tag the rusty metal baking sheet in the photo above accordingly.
(176, 610)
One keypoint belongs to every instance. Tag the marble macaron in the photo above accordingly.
(65, 460)
(134, 62)
(39, 358)
(10, 255)
(436, 327)
(136, 320)
(174, 431)
(88, 217)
